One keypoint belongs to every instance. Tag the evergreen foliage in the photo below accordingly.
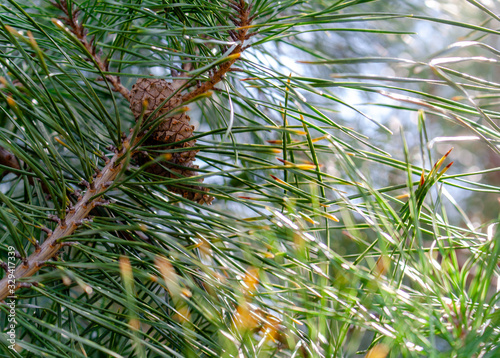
(324, 237)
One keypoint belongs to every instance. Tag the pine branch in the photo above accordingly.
(71, 19)
(67, 226)
(243, 20)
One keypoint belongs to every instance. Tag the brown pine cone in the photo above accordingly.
(167, 170)
(155, 91)
(171, 130)
(190, 191)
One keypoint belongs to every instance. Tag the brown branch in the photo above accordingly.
(8, 159)
(241, 34)
(49, 249)
(51, 246)
(81, 33)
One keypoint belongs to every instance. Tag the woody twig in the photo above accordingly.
(243, 20)
(66, 226)
(71, 19)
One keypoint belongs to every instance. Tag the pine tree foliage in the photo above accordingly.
(122, 120)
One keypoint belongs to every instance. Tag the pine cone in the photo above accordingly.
(171, 130)
(155, 91)
(167, 170)
(187, 192)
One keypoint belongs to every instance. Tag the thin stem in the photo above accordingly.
(81, 33)
(76, 216)
(241, 35)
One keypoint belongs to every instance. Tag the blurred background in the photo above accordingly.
(402, 63)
